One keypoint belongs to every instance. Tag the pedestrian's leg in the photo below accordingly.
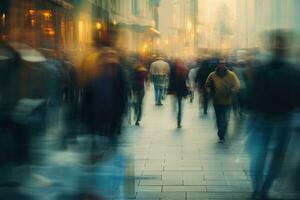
(218, 119)
(282, 141)
(192, 96)
(257, 165)
(160, 91)
(156, 91)
(258, 143)
(179, 114)
(222, 123)
(205, 101)
(139, 106)
(225, 120)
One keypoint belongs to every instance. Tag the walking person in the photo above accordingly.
(273, 98)
(204, 69)
(221, 84)
(178, 86)
(191, 82)
(159, 71)
(105, 96)
(140, 79)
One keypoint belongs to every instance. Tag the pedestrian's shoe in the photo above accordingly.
(256, 196)
(137, 123)
(221, 141)
(179, 125)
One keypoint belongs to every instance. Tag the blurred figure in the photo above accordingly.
(159, 71)
(239, 96)
(71, 101)
(178, 86)
(191, 82)
(127, 62)
(27, 84)
(140, 79)
(14, 149)
(204, 69)
(274, 95)
(221, 84)
(105, 97)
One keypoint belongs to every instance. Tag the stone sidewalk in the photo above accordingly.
(152, 161)
(188, 163)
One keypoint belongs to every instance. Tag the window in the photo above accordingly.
(115, 6)
(135, 7)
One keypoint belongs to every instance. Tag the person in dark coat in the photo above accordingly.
(274, 95)
(105, 97)
(178, 86)
(205, 68)
(140, 79)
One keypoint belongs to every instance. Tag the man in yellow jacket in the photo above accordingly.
(221, 84)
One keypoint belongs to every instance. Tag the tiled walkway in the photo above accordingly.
(152, 161)
(188, 163)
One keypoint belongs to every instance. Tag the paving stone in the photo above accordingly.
(154, 167)
(195, 181)
(216, 182)
(223, 188)
(213, 176)
(161, 182)
(148, 189)
(172, 175)
(166, 195)
(184, 188)
(209, 195)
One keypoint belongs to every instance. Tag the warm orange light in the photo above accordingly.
(98, 25)
(80, 31)
(46, 14)
(114, 22)
(189, 26)
(31, 12)
(32, 22)
(3, 17)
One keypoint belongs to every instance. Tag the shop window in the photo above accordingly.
(30, 19)
(47, 28)
(135, 7)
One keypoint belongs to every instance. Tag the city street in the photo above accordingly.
(189, 163)
(152, 161)
(95, 99)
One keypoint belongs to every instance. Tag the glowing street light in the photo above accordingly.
(98, 25)
(189, 26)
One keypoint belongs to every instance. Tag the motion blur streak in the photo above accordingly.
(87, 88)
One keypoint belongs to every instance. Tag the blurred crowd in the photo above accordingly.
(40, 90)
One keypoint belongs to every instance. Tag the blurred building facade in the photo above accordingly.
(54, 25)
(215, 29)
(75, 25)
(203, 26)
(137, 22)
(178, 27)
(254, 17)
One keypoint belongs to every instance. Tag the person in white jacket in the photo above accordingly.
(159, 71)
